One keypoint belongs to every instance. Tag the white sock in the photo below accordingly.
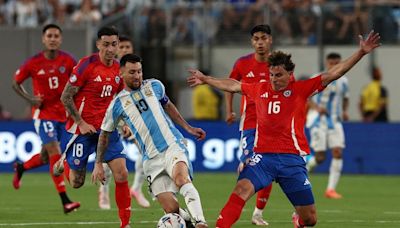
(257, 211)
(311, 164)
(192, 200)
(138, 180)
(334, 172)
(184, 214)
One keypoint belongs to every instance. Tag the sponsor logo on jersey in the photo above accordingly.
(73, 78)
(61, 69)
(306, 182)
(262, 74)
(41, 72)
(51, 71)
(108, 79)
(98, 79)
(287, 93)
(117, 79)
(264, 95)
(275, 96)
(250, 75)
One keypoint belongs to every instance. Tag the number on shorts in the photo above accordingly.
(48, 126)
(244, 142)
(77, 150)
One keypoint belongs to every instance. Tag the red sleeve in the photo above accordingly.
(78, 76)
(311, 86)
(235, 74)
(22, 73)
(248, 89)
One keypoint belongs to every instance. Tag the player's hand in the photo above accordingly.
(98, 173)
(345, 116)
(370, 43)
(322, 111)
(199, 133)
(195, 78)
(36, 101)
(126, 132)
(242, 165)
(86, 128)
(230, 118)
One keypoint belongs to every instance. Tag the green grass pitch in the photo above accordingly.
(369, 201)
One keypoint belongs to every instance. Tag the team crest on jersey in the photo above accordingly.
(61, 69)
(73, 78)
(117, 79)
(77, 161)
(147, 91)
(127, 103)
(136, 96)
(287, 93)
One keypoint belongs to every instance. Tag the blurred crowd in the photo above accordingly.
(221, 21)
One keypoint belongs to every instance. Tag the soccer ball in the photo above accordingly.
(171, 220)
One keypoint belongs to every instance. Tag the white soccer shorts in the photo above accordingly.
(323, 138)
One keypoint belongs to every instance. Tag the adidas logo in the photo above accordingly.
(307, 182)
(98, 79)
(250, 75)
(264, 95)
(41, 72)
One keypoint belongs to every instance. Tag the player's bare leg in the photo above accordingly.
(335, 171)
(304, 216)
(136, 189)
(104, 189)
(122, 195)
(180, 175)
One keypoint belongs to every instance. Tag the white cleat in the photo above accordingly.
(258, 220)
(104, 200)
(140, 199)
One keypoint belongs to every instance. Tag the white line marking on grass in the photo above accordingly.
(391, 212)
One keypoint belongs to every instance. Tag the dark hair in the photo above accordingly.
(278, 58)
(132, 58)
(49, 26)
(123, 38)
(261, 28)
(107, 31)
(333, 55)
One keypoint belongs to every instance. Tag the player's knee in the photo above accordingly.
(121, 175)
(181, 179)
(171, 208)
(76, 183)
(310, 220)
(320, 157)
(337, 153)
(244, 188)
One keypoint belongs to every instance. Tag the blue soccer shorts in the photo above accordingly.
(247, 143)
(49, 130)
(286, 169)
(79, 147)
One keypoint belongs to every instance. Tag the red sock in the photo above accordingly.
(301, 222)
(231, 211)
(263, 196)
(34, 162)
(58, 181)
(66, 170)
(123, 199)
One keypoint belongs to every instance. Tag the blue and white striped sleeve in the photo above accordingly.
(159, 90)
(112, 116)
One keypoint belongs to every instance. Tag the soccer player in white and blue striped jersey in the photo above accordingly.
(147, 111)
(326, 128)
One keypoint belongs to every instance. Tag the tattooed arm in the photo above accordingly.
(98, 171)
(67, 98)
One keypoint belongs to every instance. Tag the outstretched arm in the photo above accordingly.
(366, 46)
(226, 84)
(98, 171)
(174, 114)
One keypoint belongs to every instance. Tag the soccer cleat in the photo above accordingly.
(104, 200)
(258, 220)
(332, 194)
(201, 225)
(18, 171)
(140, 199)
(68, 207)
(295, 220)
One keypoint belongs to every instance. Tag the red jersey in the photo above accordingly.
(282, 115)
(49, 77)
(248, 70)
(98, 84)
